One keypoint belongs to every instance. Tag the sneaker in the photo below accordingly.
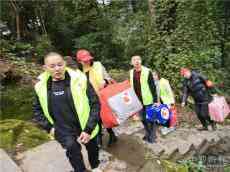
(97, 170)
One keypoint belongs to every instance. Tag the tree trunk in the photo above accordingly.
(42, 21)
(152, 10)
(18, 26)
(17, 16)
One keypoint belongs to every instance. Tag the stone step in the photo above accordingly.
(128, 129)
(223, 132)
(7, 164)
(183, 146)
(184, 143)
(156, 148)
(203, 148)
(170, 148)
(48, 157)
(175, 147)
(192, 151)
(196, 140)
(211, 136)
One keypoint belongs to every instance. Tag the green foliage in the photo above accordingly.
(15, 133)
(173, 167)
(119, 75)
(15, 105)
(227, 169)
(194, 166)
(226, 81)
(17, 48)
(42, 47)
(179, 33)
(187, 37)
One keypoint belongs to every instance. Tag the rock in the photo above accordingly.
(170, 152)
(51, 157)
(131, 153)
(184, 143)
(152, 166)
(4, 68)
(18, 70)
(104, 156)
(156, 148)
(116, 166)
(184, 147)
(48, 157)
(129, 128)
(7, 164)
(211, 136)
(196, 141)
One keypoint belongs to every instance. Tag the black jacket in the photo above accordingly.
(196, 87)
(93, 103)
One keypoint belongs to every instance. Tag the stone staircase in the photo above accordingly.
(183, 143)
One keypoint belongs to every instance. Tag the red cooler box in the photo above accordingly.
(120, 101)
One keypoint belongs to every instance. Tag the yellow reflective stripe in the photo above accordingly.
(97, 66)
(78, 86)
(145, 90)
(41, 90)
(166, 93)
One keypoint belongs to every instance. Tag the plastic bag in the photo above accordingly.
(218, 109)
(161, 113)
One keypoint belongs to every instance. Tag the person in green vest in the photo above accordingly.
(62, 107)
(142, 81)
(98, 77)
(164, 91)
(165, 95)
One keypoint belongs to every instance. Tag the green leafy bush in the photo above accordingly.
(42, 47)
(14, 133)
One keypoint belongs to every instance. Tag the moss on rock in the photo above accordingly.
(16, 133)
(174, 167)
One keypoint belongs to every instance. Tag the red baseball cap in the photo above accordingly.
(83, 55)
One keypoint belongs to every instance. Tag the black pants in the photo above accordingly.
(203, 114)
(150, 127)
(109, 130)
(73, 152)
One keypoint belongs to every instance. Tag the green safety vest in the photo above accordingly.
(97, 66)
(145, 90)
(78, 86)
(96, 77)
(166, 94)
